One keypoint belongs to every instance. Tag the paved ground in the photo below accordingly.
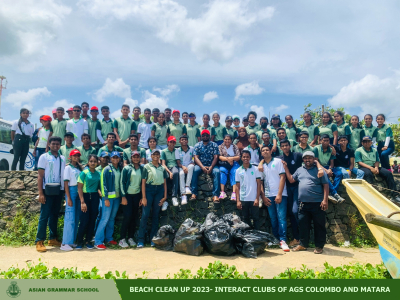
(160, 263)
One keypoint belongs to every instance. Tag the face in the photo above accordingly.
(183, 142)
(325, 118)
(252, 139)
(86, 140)
(242, 133)
(155, 114)
(337, 117)
(185, 118)
(171, 144)
(380, 120)
(308, 161)
(136, 112)
(236, 122)
(125, 111)
(155, 157)
(325, 142)
(192, 119)
(152, 144)
(216, 119)
(266, 153)
(228, 123)
(69, 139)
(76, 158)
(55, 146)
(285, 147)
(368, 120)
(92, 163)
(176, 116)
(105, 112)
(281, 134)
(227, 141)
(246, 158)
(263, 121)
(85, 107)
(205, 137)
(136, 159)
(110, 139)
(45, 123)
(245, 123)
(303, 139)
(275, 121)
(289, 120)
(94, 113)
(147, 115)
(115, 160)
(266, 138)
(167, 114)
(60, 114)
(206, 120)
(367, 144)
(307, 118)
(354, 121)
(104, 160)
(70, 114)
(251, 119)
(133, 141)
(343, 142)
(161, 118)
(77, 113)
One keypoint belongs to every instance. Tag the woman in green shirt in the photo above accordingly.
(206, 123)
(342, 127)
(111, 193)
(357, 133)
(370, 129)
(131, 193)
(253, 127)
(159, 130)
(89, 194)
(154, 194)
(291, 129)
(216, 130)
(384, 138)
(329, 128)
(313, 130)
(228, 129)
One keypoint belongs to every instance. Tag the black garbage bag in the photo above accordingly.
(235, 222)
(252, 242)
(164, 238)
(188, 238)
(218, 237)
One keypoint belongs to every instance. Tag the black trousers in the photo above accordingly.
(131, 215)
(87, 219)
(312, 212)
(21, 149)
(251, 212)
(384, 173)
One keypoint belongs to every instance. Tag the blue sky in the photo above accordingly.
(272, 56)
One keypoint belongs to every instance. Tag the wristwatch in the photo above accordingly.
(320, 169)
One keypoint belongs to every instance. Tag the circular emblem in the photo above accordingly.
(13, 290)
(346, 156)
(29, 161)
(292, 162)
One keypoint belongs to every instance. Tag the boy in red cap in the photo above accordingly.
(94, 124)
(44, 133)
(69, 112)
(176, 128)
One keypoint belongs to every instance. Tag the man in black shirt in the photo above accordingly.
(344, 162)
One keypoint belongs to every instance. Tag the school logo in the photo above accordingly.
(292, 162)
(252, 173)
(346, 157)
(13, 290)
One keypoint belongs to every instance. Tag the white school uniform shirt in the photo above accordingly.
(248, 182)
(78, 128)
(272, 178)
(51, 167)
(71, 174)
(255, 158)
(145, 132)
(186, 158)
(43, 136)
(28, 129)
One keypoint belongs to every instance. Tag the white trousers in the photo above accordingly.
(188, 178)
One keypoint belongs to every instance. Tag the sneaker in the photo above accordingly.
(333, 199)
(164, 206)
(140, 245)
(222, 195)
(338, 198)
(175, 201)
(233, 196)
(66, 247)
(113, 243)
(122, 243)
(184, 200)
(284, 246)
(187, 191)
(152, 244)
(260, 202)
(73, 245)
(89, 246)
(100, 247)
(131, 242)
(79, 247)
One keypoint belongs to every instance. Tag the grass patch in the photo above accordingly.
(360, 235)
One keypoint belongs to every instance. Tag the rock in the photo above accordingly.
(30, 181)
(336, 222)
(18, 184)
(3, 224)
(4, 174)
(338, 228)
(3, 183)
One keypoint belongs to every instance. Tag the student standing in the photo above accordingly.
(50, 186)
(127, 153)
(291, 130)
(313, 130)
(248, 183)
(229, 157)
(85, 109)
(254, 150)
(42, 143)
(21, 133)
(152, 141)
(124, 127)
(185, 118)
(70, 112)
(303, 145)
(216, 130)
(236, 122)
(68, 146)
(176, 128)
(104, 158)
(154, 194)
(110, 146)
(86, 149)
(169, 163)
(107, 125)
(245, 122)
(276, 123)
(357, 133)
(328, 128)
(155, 114)
(72, 207)
(193, 130)
(384, 138)
(144, 129)
(77, 125)
(253, 127)
(184, 160)
(206, 123)
(94, 125)
(370, 129)
(59, 125)
(264, 128)
(168, 113)
(89, 195)
(342, 127)
(228, 129)
(159, 131)
(136, 116)
(281, 135)
(110, 184)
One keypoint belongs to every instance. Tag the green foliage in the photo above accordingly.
(353, 271)
(317, 114)
(360, 234)
(396, 136)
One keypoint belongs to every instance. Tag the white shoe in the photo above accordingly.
(188, 191)
(66, 247)
(122, 243)
(164, 206)
(284, 246)
(184, 200)
(175, 201)
(73, 245)
(131, 242)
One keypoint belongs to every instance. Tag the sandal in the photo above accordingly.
(193, 197)
(318, 250)
(215, 199)
(299, 248)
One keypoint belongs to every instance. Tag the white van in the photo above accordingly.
(6, 157)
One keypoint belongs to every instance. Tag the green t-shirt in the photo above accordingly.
(343, 129)
(260, 133)
(105, 148)
(208, 128)
(124, 127)
(328, 129)
(137, 122)
(231, 131)
(126, 155)
(384, 132)
(59, 128)
(177, 130)
(298, 149)
(85, 153)
(367, 157)
(153, 175)
(370, 131)
(99, 169)
(169, 157)
(273, 131)
(292, 132)
(117, 174)
(160, 133)
(135, 181)
(291, 142)
(64, 151)
(356, 137)
(312, 130)
(253, 129)
(193, 133)
(106, 127)
(217, 131)
(169, 122)
(90, 181)
(93, 127)
(323, 157)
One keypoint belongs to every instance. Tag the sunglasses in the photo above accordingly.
(77, 110)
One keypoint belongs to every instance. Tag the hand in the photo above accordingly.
(107, 203)
(124, 201)
(320, 173)
(278, 199)
(93, 144)
(209, 170)
(267, 201)
(100, 194)
(256, 202)
(185, 170)
(384, 148)
(329, 172)
(34, 152)
(171, 175)
(230, 161)
(375, 171)
(42, 198)
(284, 163)
(105, 143)
(333, 150)
(239, 205)
(349, 171)
(144, 201)
(83, 207)
(140, 202)
(324, 205)
(122, 144)
(162, 201)
(70, 203)
(205, 170)
(273, 149)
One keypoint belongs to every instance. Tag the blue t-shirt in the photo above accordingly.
(206, 152)
(311, 188)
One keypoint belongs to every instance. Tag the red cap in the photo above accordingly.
(46, 118)
(74, 152)
(205, 131)
(176, 111)
(70, 109)
(171, 138)
(54, 111)
(94, 108)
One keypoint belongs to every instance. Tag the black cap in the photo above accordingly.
(245, 119)
(68, 134)
(156, 110)
(275, 116)
(228, 118)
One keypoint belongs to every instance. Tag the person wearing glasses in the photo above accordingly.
(77, 125)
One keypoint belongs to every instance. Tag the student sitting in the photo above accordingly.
(384, 138)
(281, 135)
(264, 128)
(127, 153)
(184, 160)
(254, 149)
(344, 162)
(86, 149)
(68, 146)
(169, 163)
(229, 156)
(303, 145)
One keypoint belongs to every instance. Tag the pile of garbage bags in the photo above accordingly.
(223, 236)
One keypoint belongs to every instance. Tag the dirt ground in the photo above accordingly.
(160, 263)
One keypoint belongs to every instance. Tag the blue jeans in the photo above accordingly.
(293, 209)
(277, 213)
(105, 228)
(219, 142)
(216, 180)
(49, 215)
(162, 147)
(384, 155)
(154, 194)
(71, 217)
(225, 172)
(39, 152)
(355, 171)
(337, 177)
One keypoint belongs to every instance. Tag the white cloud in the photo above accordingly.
(259, 110)
(215, 34)
(210, 96)
(167, 90)
(279, 108)
(246, 89)
(372, 94)
(48, 109)
(113, 88)
(25, 99)
(152, 101)
(132, 103)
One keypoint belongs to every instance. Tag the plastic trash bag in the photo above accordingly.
(218, 236)
(235, 222)
(252, 242)
(164, 238)
(188, 238)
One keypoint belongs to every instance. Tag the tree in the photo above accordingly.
(396, 137)
(317, 114)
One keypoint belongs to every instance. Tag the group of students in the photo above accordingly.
(130, 162)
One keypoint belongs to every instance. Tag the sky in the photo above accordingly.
(229, 56)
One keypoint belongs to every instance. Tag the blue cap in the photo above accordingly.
(367, 138)
(275, 116)
(105, 154)
(115, 153)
